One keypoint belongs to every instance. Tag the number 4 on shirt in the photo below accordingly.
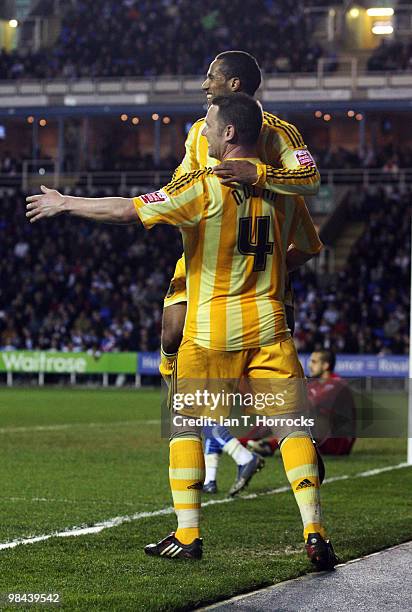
(261, 247)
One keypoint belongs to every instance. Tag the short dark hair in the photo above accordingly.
(329, 357)
(243, 112)
(243, 66)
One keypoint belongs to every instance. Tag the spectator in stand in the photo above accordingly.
(9, 164)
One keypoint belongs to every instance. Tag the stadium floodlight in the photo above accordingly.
(382, 28)
(380, 12)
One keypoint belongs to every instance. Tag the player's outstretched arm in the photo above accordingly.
(51, 203)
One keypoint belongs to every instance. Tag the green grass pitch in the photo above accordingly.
(77, 457)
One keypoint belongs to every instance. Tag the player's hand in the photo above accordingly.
(43, 205)
(236, 171)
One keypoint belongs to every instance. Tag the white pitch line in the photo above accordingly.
(6, 430)
(120, 520)
(69, 501)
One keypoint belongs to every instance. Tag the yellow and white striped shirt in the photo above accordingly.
(287, 167)
(235, 241)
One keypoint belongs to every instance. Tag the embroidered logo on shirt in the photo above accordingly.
(304, 158)
(156, 196)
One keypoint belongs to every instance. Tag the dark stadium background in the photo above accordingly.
(67, 118)
(92, 111)
(96, 98)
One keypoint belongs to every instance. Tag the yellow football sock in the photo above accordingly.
(301, 467)
(166, 365)
(186, 474)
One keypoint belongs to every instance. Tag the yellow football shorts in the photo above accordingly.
(206, 382)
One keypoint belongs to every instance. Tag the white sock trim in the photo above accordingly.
(188, 518)
(237, 451)
(211, 463)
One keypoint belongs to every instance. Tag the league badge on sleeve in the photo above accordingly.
(155, 197)
(304, 158)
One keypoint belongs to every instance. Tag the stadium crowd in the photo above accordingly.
(145, 38)
(150, 38)
(72, 285)
(77, 286)
(364, 308)
(390, 159)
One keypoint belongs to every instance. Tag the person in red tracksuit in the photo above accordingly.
(333, 406)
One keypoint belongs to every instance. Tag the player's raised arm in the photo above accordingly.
(51, 203)
(298, 173)
(293, 172)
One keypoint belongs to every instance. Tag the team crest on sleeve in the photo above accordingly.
(155, 197)
(304, 158)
